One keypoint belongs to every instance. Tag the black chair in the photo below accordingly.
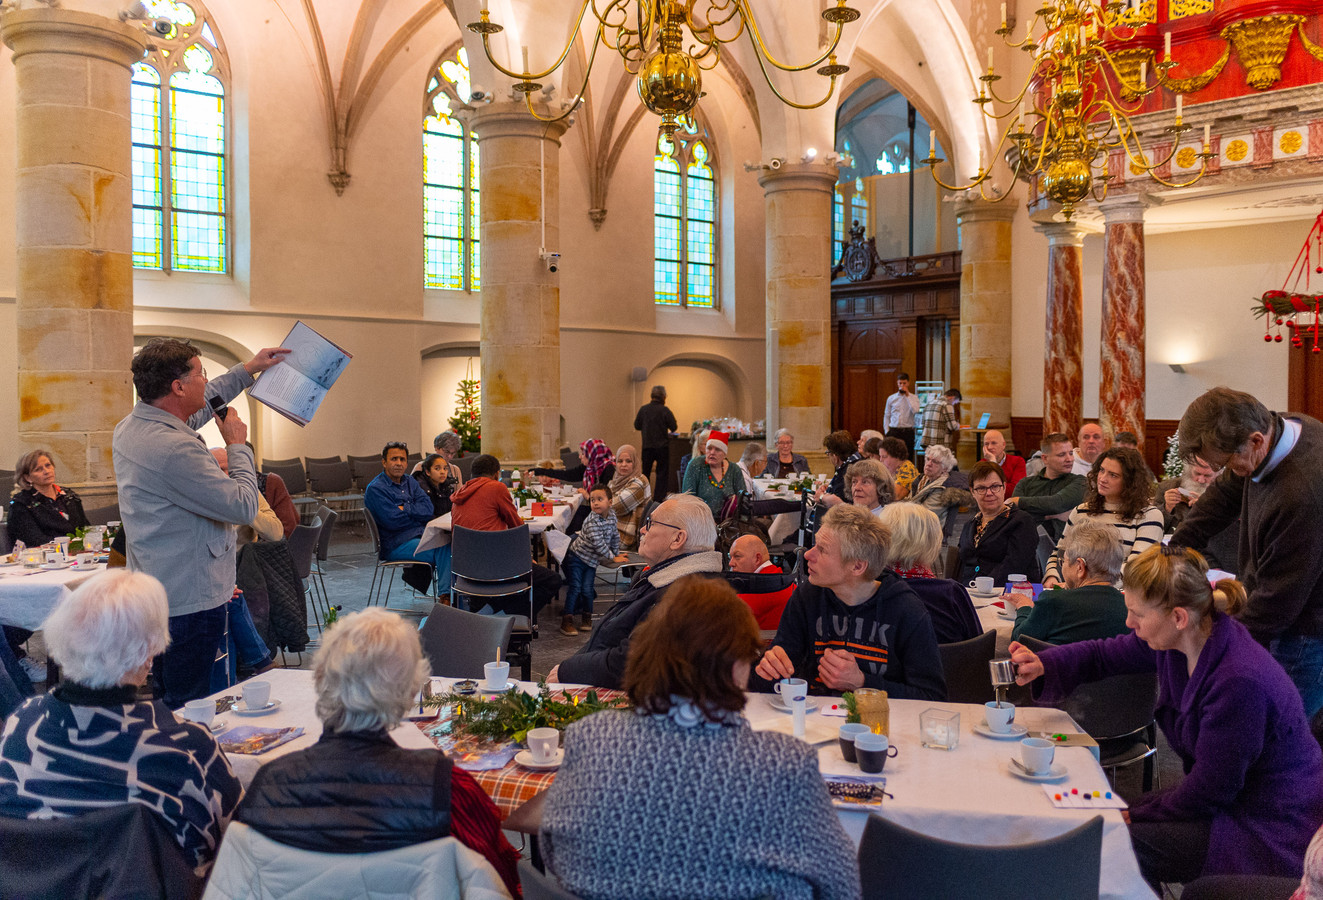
(296, 482)
(1238, 887)
(6, 545)
(460, 643)
(897, 862)
(364, 469)
(539, 885)
(490, 565)
(102, 515)
(414, 459)
(318, 579)
(465, 466)
(120, 851)
(334, 484)
(569, 457)
(7, 482)
(968, 679)
(526, 819)
(1118, 713)
(381, 574)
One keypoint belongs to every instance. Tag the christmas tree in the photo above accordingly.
(1173, 466)
(467, 420)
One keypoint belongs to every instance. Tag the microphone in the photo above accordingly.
(218, 407)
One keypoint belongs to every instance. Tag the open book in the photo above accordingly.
(296, 386)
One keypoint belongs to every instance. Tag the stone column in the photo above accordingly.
(74, 234)
(520, 320)
(1063, 366)
(985, 308)
(799, 198)
(1121, 388)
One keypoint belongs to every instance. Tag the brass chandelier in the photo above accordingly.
(650, 41)
(1067, 117)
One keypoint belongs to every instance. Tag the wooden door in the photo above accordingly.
(1305, 381)
(870, 358)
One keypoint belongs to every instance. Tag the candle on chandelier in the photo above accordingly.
(989, 59)
(1180, 106)
(1206, 130)
(1003, 15)
(525, 49)
(1143, 74)
(932, 144)
(1166, 46)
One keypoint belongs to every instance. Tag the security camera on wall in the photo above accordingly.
(551, 259)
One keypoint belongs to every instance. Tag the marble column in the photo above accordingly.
(1063, 368)
(74, 234)
(520, 319)
(799, 198)
(985, 309)
(1121, 393)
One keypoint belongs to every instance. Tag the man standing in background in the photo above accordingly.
(902, 407)
(656, 422)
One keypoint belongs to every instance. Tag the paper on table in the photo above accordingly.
(557, 543)
(816, 731)
(1063, 796)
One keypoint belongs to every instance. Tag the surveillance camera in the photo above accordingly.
(776, 163)
(477, 95)
(163, 27)
(552, 261)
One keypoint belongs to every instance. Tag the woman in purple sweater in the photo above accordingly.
(1252, 796)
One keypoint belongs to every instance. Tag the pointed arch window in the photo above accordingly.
(180, 171)
(450, 181)
(684, 217)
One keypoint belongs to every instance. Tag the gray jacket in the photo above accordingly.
(178, 508)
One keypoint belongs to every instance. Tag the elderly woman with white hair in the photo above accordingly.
(932, 490)
(356, 790)
(711, 477)
(676, 540)
(785, 462)
(92, 743)
(916, 542)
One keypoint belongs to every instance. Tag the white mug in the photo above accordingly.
(982, 584)
(497, 675)
(86, 559)
(256, 694)
(1000, 716)
(791, 689)
(200, 711)
(1037, 754)
(543, 743)
(56, 558)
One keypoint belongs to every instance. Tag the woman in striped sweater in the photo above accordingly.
(1119, 494)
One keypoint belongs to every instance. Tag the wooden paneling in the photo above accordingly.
(1305, 381)
(1027, 434)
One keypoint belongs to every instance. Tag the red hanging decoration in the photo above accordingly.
(1285, 307)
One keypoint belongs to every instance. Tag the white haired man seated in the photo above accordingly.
(91, 743)
(677, 540)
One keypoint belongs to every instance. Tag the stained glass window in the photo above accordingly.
(450, 182)
(177, 110)
(685, 220)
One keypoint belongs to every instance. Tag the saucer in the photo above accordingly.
(51, 567)
(218, 725)
(985, 595)
(1007, 613)
(272, 706)
(1017, 731)
(509, 686)
(810, 703)
(1056, 773)
(525, 759)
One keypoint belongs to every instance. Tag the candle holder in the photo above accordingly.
(939, 728)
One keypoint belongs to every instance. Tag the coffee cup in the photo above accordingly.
(256, 694)
(86, 559)
(871, 751)
(792, 689)
(845, 737)
(982, 584)
(61, 543)
(497, 675)
(200, 711)
(543, 743)
(999, 716)
(1036, 755)
(56, 557)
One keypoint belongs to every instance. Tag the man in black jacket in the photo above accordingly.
(1272, 483)
(656, 422)
(676, 540)
(855, 624)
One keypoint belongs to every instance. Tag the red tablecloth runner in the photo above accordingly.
(514, 785)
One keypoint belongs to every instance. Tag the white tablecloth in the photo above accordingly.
(293, 688)
(27, 599)
(967, 794)
(991, 619)
(437, 532)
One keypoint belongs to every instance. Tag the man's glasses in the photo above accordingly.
(989, 489)
(650, 521)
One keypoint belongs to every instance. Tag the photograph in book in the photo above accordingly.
(296, 387)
